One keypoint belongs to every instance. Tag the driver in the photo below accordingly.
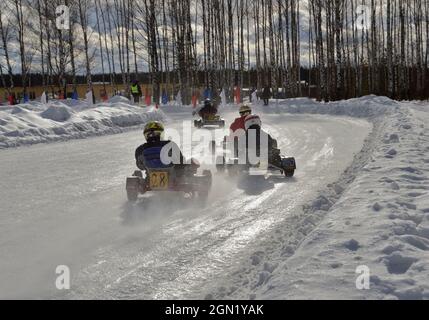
(206, 110)
(148, 155)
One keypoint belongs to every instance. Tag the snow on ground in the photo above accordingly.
(35, 122)
(376, 215)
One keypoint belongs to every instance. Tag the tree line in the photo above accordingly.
(348, 47)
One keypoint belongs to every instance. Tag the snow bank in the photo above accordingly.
(375, 217)
(379, 221)
(35, 122)
(57, 113)
(364, 107)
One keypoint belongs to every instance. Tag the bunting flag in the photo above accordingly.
(254, 97)
(207, 93)
(148, 98)
(164, 98)
(89, 98)
(75, 95)
(44, 98)
(194, 100)
(237, 95)
(178, 99)
(26, 98)
(223, 98)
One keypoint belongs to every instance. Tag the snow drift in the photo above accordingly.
(376, 216)
(35, 122)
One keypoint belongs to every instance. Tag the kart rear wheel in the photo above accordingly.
(220, 164)
(289, 173)
(233, 171)
(208, 175)
(132, 195)
(212, 147)
(203, 196)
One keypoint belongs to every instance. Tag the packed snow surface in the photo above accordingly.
(359, 199)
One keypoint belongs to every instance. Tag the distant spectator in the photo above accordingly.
(266, 95)
(136, 91)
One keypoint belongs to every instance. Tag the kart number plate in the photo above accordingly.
(158, 180)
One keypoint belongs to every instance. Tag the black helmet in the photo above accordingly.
(153, 129)
(207, 103)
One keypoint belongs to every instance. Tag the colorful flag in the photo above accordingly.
(44, 98)
(148, 98)
(237, 95)
(89, 98)
(178, 99)
(75, 95)
(223, 98)
(164, 98)
(207, 93)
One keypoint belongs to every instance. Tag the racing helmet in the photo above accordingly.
(252, 120)
(153, 129)
(207, 103)
(244, 109)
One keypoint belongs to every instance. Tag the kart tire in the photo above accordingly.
(220, 164)
(233, 171)
(208, 176)
(212, 147)
(289, 173)
(203, 196)
(138, 173)
(132, 195)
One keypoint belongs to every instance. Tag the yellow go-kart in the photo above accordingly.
(169, 179)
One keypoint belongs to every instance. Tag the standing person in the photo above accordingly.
(136, 91)
(266, 95)
(206, 110)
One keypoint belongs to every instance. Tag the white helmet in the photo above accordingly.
(251, 120)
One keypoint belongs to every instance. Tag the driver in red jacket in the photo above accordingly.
(237, 125)
(239, 122)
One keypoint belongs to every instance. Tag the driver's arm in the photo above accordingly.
(140, 158)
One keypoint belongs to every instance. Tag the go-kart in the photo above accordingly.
(169, 179)
(210, 120)
(285, 166)
(278, 162)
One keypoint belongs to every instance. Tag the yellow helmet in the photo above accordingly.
(153, 129)
(245, 108)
